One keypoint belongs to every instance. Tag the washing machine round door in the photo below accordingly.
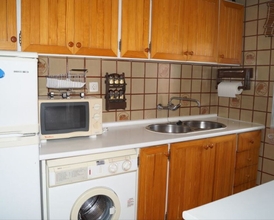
(98, 203)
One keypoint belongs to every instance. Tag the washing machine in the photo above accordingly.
(97, 186)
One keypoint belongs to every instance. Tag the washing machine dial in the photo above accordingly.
(126, 165)
(113, 167)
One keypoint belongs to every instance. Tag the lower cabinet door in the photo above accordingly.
(152, 186)
(200, 172)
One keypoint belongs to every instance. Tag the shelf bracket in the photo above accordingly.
(240, 74)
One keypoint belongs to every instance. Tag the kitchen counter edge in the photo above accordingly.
(133, 134)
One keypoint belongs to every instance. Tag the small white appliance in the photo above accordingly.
(91, 187)
(69, 117)
(19, 141)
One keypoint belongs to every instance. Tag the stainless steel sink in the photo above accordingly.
(168, 128)
(203, 125)
(185, 126)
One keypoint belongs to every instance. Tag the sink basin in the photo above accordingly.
(203, 125)
(185, 126)
(168, 128)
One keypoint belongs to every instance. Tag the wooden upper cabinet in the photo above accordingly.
(46, 26)
(96, 27)
(230, 33)
(8, 33)
(185, 30)
(87, 27)
(169, 29)
(203, 30)
(135, 28)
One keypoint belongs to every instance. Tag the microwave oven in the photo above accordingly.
(71, 117)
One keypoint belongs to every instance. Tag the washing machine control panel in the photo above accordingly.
(62, 171)
(111, 166)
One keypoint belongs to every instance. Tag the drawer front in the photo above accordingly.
(245, 175)
(249, 140)
(247, 158)
(244, 186)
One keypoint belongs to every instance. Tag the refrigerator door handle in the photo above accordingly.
(11, 135)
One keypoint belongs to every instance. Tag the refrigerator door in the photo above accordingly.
(20, 183)
(19, 141)
(18, 95)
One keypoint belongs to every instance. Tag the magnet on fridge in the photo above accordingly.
(2, 73)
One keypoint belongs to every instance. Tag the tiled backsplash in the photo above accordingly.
(148, 84)
(257, 104)
(151, 83)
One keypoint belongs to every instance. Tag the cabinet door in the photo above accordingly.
(152, 182)
(8, 34)
(169, 29)
(70, 27)
(135, 28)
(190, 177)
(47, 26)
(225, 147)
(230, 32)
(202, 30)
(200, 172)
(96, 27)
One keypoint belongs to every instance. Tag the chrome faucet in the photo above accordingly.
(172, 107)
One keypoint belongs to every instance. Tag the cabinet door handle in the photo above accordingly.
(186, 53)
(167, 155)
(70, 44)
(191, 53)
(206, 147)
(78, 45)
(251, 141)
(146, 50)
(13, 39)
(211, 146)
(222, 56)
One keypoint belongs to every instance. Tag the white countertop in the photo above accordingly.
(133, 134)
(255, 203)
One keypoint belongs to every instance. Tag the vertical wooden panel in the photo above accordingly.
(191, 177)
(230, 32)
(135, 28)
(224, 165)
(96, 27)
(152, 183)
(8, 24)
(169, 29)
(203, 30)
(45, 26)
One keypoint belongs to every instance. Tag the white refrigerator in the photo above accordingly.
(19, 140)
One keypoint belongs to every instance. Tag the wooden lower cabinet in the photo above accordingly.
(197, 172)
(153, 162)
(200, 172)
(247, 158)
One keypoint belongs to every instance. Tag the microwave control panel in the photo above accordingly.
(96, 116)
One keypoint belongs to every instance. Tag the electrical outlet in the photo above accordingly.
(93, 86)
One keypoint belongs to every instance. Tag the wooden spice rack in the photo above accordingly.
(115, 91)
